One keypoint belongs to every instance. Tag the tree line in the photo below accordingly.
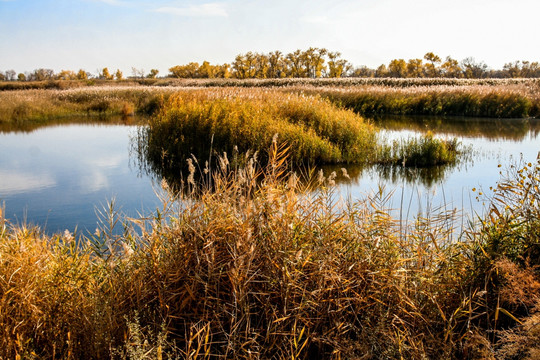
(49, 74)
(310, 63)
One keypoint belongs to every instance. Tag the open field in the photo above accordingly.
(258, 269)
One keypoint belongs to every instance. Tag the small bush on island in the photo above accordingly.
(425, 151)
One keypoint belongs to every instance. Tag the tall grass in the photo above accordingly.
(517, 101)
(425, 151)
(251, 268)
(42, 106)
(236, 121)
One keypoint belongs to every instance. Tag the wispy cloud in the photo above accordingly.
(203, 10)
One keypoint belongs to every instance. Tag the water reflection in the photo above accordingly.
(56, 176)
(487, 128)
(21, 126)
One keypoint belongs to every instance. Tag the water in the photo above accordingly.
(493, 145)
(57, 176)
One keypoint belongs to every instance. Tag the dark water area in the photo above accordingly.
(57, 176)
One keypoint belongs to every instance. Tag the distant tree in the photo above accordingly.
(105, 74)
(137, 73)
(153, 74)
(190, 70)
(415, 68)
(295, 64)
(337, 67)
(381, 71)
(118, 74)
(473, 69)
(66, 75)
(314, 60)
(397, 68)
(363, 72)
(431, 68)
(276, 65)
(245, 65)
(223, 71)
(451, 69)
(10, 75)
(2, 76)
(41, 75)
(21, 77)
(82, 75)
(530, 69)
(206, 70)
(261, 66)
(521, 69)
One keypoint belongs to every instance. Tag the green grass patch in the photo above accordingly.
(425, 151)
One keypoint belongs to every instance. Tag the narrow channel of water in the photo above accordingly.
(56, 176)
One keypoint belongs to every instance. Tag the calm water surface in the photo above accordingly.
(57, 176)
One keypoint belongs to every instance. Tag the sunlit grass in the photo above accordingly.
(253, 267)
(497, 101)
(236, 121)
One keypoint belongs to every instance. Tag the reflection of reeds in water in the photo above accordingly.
(492, 129)
(250, 269)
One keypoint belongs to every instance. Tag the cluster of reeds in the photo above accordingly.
(253, 267)
(424, 151)
(516, 101)
(238, 120)
(46, 105)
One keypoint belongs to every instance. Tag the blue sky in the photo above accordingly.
(92, 34)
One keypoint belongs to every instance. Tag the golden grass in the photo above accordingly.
(255, 268)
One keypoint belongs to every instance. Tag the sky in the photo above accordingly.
(126, 34)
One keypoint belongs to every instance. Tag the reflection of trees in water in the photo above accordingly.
(30, 126)
(489, 128)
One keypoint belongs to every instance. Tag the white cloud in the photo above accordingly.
(203, 10)
(14, 182)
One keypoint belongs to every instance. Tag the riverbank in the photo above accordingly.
(370, 97)
(255, 268)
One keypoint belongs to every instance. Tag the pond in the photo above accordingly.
(57, 176)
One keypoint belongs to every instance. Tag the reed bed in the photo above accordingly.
(255, 268)
(25, 106)
(283, 82)
(237, 120)
(481, 98)
(508, 101)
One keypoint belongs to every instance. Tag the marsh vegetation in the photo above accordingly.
(250, 260)
(251, 269)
